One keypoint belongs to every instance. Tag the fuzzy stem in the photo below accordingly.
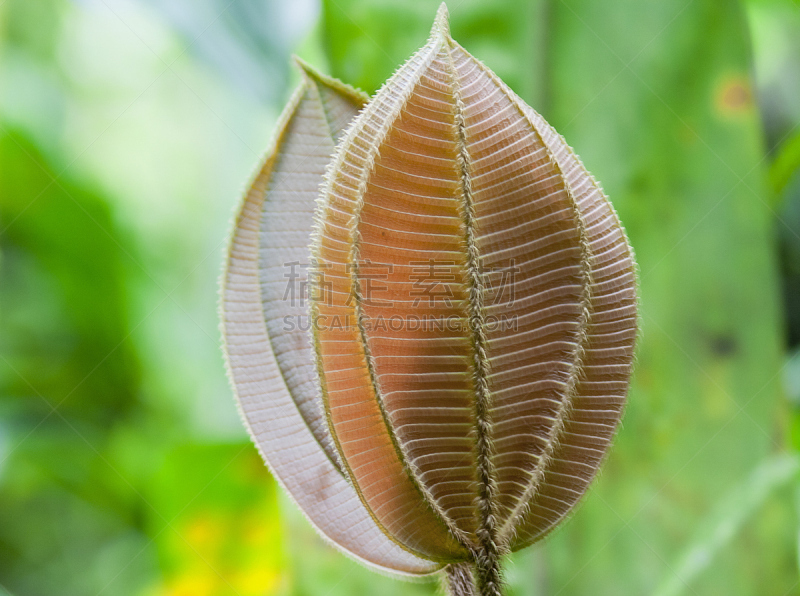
(488, 573)
(459, 580)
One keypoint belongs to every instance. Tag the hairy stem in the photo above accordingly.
(459, 580)
(488, 574)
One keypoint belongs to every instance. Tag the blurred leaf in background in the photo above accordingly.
(124, 468)
(775, 26)
(67, 378)
(218, 535)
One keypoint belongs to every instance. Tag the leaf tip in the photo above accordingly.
(441, 24)
(306, 69)
(312, 76)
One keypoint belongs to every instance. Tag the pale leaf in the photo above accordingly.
(269, 356)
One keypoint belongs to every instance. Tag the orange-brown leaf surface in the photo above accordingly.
(474, 308)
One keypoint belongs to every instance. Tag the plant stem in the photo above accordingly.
(487, 570)
(459, 580)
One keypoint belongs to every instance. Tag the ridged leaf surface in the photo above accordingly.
(267, 342)
(476, 310)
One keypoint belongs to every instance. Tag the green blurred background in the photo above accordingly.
(127, 131)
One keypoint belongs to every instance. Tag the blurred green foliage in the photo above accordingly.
(127, 129)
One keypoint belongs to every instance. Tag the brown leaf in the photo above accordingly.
(475, 310)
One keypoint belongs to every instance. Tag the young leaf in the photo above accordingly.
(475, 312)
(269, 356)
(473, 319)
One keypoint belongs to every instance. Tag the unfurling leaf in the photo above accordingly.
(473, 316)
